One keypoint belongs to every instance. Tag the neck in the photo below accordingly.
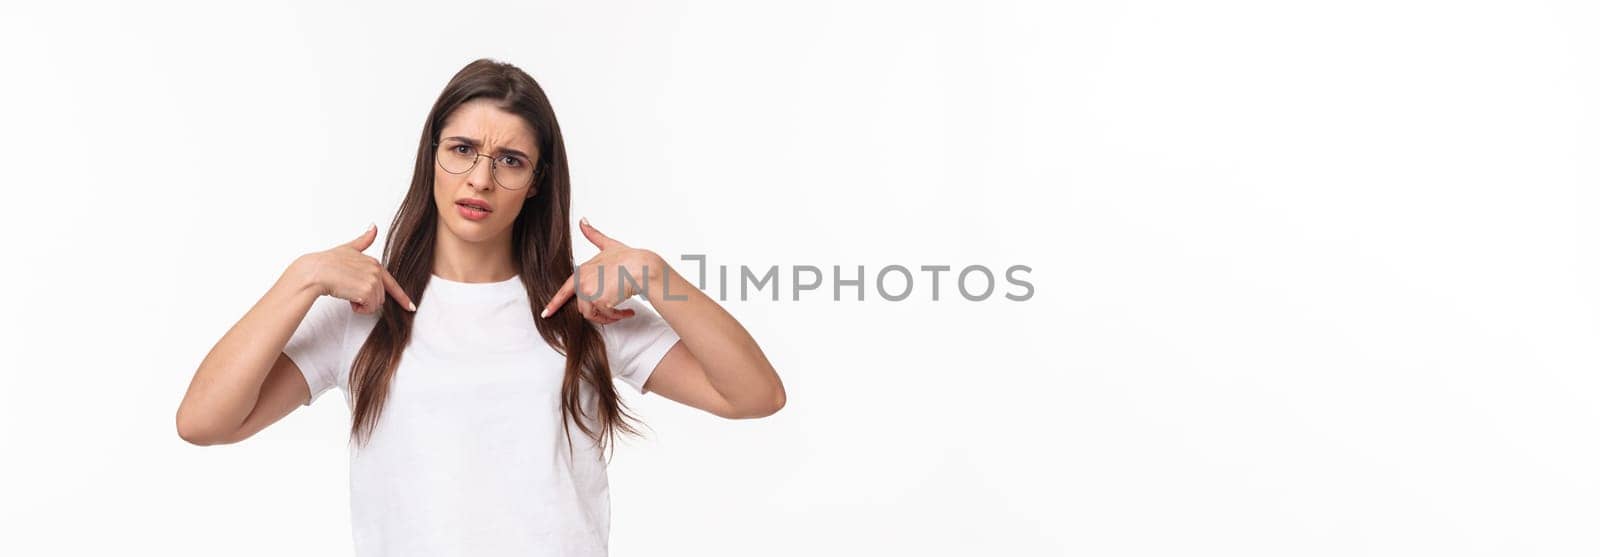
(460, 260)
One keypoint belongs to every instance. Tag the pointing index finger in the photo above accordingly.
(560, 298)
(393, 286)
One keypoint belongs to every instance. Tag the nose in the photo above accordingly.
(482, 175)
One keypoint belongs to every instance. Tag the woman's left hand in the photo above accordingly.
(642, 267)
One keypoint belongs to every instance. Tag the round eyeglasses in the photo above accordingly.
(510, 171)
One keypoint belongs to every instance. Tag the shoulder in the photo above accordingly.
(644, 327)
(359, 325)
(643, 316)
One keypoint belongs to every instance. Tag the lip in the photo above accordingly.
(471, 214)
(475, 202)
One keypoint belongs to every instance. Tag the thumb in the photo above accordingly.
(599, 240)
(364, 241)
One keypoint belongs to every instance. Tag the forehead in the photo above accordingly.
(480, 119)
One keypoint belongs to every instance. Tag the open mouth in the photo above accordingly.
(473, 212)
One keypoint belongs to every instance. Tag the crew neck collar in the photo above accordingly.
(508, 286)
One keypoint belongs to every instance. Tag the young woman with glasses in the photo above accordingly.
(472, 350)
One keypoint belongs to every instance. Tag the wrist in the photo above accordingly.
(302, 276)
(652, 264)
(656, 270)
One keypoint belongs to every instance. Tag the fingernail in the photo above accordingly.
(413, 306)
(585, 221)
(545, 313)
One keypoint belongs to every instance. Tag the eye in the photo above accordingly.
(460, 149)
(511, 161)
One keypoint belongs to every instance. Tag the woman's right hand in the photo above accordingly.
(345, 273)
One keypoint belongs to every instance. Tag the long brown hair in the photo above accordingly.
(541, 249)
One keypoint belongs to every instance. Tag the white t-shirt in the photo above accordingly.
(468, 457)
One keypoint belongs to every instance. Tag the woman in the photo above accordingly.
(476, 382)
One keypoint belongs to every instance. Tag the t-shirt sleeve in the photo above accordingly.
(317, 344)
(636, 344)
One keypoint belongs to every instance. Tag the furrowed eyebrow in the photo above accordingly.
(475, 144)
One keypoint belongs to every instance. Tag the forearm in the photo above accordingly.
(733, 362)
(228, 382)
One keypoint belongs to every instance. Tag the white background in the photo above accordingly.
(1312, 278)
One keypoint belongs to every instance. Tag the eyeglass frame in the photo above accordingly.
(494, 168)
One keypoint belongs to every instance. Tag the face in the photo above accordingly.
(499, 135)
